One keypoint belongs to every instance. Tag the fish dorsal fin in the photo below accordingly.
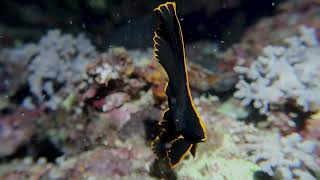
(169, 51)
(168, 43)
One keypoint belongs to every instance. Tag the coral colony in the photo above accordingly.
(284, 73)
(55, 64)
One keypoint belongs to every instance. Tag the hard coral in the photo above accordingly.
(128, 160)
(288, 157)
(282, 74)
(312, 129)
(113, 65)
(120, 116)
(219, 157)
(113, 79)
(58, 62)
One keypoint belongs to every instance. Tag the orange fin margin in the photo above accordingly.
(179, 148)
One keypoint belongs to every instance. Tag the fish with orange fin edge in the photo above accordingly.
(181, 126)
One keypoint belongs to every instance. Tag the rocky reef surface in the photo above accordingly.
(69, 111)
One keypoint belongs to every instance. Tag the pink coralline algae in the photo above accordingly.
(16, 130)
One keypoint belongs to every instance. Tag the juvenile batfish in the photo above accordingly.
(181, 127)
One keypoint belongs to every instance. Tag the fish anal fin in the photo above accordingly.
(159, 147)
(178, 149)
(166, 134)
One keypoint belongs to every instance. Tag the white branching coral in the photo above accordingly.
(288, 157)
(58, 62)
(284, 73)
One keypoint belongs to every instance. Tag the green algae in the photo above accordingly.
(223, 163)
(69, 102)
(209, 166)
(230, 109)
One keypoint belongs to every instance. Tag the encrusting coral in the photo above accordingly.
(16, 130)
(116, 78)
(220, 157)
(210, 166)
(283, 74)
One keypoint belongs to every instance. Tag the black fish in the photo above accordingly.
(181, 127)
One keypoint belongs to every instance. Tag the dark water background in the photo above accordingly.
(128, 23)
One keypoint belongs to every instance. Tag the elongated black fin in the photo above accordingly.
(166, 135)
(159, 147)
(181, 127)
(178, 149)
(168, 46)
(169, 51)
